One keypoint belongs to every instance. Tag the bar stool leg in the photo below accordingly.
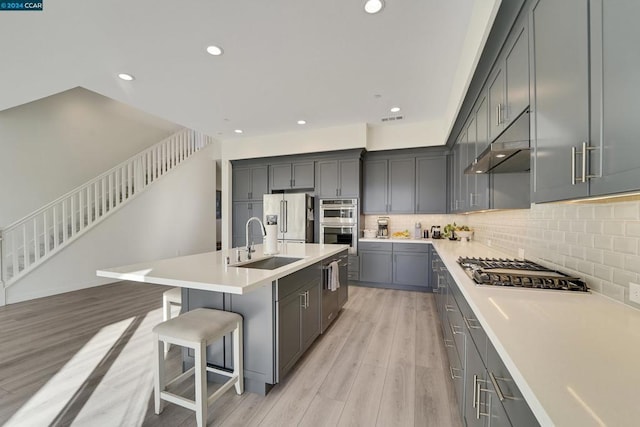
(201, 384)
(237, 357)
(159, 375)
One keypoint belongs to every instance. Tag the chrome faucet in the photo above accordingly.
(249, 247)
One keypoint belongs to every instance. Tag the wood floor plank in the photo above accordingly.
(322, 412)
(432, 399)
(363, 403)
(379, 349)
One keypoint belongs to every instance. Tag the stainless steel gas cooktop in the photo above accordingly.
(519, 274)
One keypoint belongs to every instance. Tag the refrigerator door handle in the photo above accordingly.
(286, 216)
(281, 216)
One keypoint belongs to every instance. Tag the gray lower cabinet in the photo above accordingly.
(431, 185)
(287, 176)
(353, 268)
(560, 117)
(242, 211)
(411, 264)
(338, 178)
(486, 393)
(298, 315)
(376, 266)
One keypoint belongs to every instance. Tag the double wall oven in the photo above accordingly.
(339, 222)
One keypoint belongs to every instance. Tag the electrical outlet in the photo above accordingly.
(634, 292)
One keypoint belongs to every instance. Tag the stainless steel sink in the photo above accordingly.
(269, 263)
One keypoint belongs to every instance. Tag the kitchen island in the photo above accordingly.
(281, 305)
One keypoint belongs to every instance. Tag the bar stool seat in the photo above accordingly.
(196, 329)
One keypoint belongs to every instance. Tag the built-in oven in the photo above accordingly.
(339, 222)
(339, 211)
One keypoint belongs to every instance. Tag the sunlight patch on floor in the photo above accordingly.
(45, 405)
(122, 396)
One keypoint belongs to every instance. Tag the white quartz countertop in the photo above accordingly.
(575, 356)
(208, 271)
(392, 240)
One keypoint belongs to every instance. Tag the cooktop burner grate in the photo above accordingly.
(520, 274)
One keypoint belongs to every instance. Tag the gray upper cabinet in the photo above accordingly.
(481, 181)
(402, 181)
(249, 183)
(517, 74)
(242, 211)
(287, 176)
(431, 185)
(338, 178)
(496, 102)
(375, 187)
(615, 92)
(560, 82)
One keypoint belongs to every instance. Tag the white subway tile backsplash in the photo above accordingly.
(603, 212)
(632, 263)
(613, 291)
(603, 242)
(578, 226)
(603, 272)
(586, 212)
(625, 245)
(613, 259)
(627, 210)
(622, 277)
(594, 255)
(613, 228)
(632, 229)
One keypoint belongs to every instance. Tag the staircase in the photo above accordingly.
(27, 243)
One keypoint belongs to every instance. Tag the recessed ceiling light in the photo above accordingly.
(126, 77)
(214, 50)
(395, 109)
(499, 156)
(373, 6)
(479, 171)
(238, 131)
(302, 122)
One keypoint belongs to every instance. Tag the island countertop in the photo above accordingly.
(209, 272)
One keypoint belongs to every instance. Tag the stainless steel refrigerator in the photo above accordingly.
(294, 213)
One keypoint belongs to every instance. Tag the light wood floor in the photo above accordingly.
(84, 359)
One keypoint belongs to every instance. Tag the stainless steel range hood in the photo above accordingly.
(508, 153)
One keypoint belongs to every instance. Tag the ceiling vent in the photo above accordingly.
(392, 118)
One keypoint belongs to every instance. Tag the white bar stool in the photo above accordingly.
(196, 329)
(171, 298)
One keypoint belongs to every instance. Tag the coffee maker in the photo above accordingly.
(383, 227)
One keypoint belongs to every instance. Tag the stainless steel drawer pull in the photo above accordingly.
(453, 375)
(448, 307)
(466, 321)
(501, 396)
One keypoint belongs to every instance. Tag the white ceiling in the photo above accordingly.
(322, 61)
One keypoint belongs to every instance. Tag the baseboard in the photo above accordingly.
(392, 286)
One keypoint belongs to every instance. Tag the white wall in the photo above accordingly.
(405, 135)
(174, 216)
(50, 146)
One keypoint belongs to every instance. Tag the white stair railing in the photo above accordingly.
(30, 241)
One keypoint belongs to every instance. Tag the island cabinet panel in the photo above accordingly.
(298, 315)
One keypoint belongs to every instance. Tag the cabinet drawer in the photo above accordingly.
(411, 247)
(375, 246)
(353, 275)
(291, 283)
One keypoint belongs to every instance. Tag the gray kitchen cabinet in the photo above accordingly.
(376, 262)
(242, 211)
(411, 264)
(249, 183)
(560, 83)
(338, 178)
(431, 185)
(402, 182)
(353, 268)
(343, 290)
(479, 187)
(298, 315)
(496, 97)
(288, 176)
(615, 89)
(375, 177)
(475, 410)
(516, 70)
(459, 186)
(389, 186)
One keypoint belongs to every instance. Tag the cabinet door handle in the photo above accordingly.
(466, 322)
(336, 192)
(494, 381)
(497, 115)
(573, 165)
